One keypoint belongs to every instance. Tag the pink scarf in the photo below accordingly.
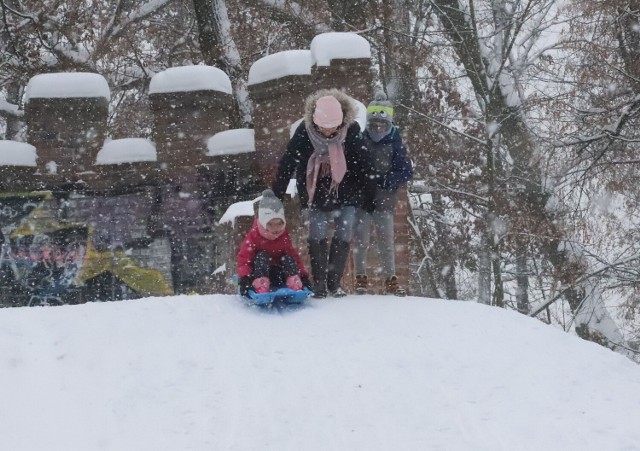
(328, 157)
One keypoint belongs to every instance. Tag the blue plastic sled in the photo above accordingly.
(281, 295)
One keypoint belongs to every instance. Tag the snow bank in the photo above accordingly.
(244, 208)
(361, 113)
(190, 78)
(127, 150)
(231, 142)
(292, 188)
(14, 153)
(67, 85)
(372, 373)
(328, 46)
(282, 64)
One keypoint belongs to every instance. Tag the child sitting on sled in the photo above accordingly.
(267, 259)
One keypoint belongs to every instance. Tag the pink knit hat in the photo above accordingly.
(328, 112)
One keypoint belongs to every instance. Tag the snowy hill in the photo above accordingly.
(359, 373)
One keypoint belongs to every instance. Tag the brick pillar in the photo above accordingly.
(17, 166)
(278, 103)
(123, 164)
(186, 114)
(343, 61)
(401, 227)
(66, 116)
(189, 104)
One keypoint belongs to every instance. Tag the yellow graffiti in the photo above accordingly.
(146, 282)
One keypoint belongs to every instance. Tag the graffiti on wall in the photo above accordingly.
(45, 260)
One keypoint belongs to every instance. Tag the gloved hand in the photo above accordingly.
(244, 283)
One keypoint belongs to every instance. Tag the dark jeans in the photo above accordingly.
(277, 274)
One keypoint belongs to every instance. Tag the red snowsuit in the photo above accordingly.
(254, 242)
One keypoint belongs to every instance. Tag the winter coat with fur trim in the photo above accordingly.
(278, 248)
(357, 187)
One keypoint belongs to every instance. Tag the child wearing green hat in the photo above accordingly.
(392, 170)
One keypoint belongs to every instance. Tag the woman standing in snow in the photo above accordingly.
(328, 155)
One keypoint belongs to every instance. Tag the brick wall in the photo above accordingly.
(182, 124)
(353, 76)
(277, 104)
(67, 131)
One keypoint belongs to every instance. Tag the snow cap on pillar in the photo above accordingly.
(338, 45)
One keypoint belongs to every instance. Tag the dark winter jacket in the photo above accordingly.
(278, 248)
(392, 167)
(357, 187)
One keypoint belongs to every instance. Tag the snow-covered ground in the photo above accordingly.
(359, 373)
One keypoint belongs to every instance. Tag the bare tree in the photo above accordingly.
(127, 42)
(497, 43)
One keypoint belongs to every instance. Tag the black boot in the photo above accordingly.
(338, 255)
(318, 257)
